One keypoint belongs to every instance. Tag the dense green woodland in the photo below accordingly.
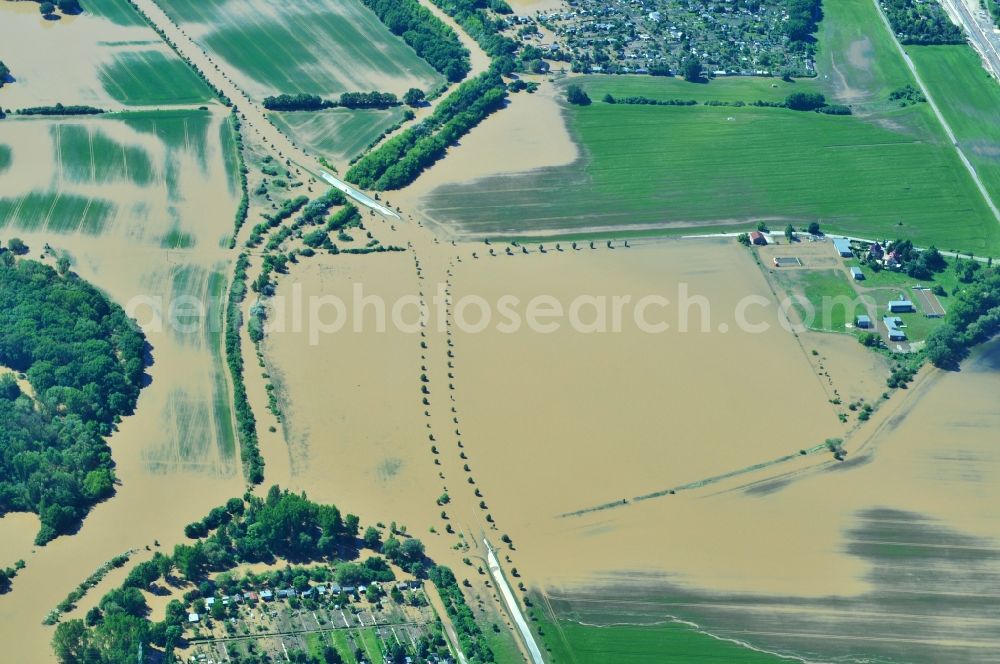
(475, 18)
(283, 525)
(433, 41)
(973, 316)
(4, 73)
(917, 22)
(84, 360)
(803, 19)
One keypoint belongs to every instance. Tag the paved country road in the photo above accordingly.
(940, 117)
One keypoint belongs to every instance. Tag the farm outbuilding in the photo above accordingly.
(864, 322)
(901, 306)
(857, 274)
(892, 327)
(756, 237)
(843, 247)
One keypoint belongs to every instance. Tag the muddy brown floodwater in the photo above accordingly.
(174, 457)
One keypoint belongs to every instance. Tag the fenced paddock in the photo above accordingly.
(929, 303)
(787, 261)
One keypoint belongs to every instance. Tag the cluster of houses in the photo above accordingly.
(634, 36)
(319, 591)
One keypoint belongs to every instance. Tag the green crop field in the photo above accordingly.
(89, 155)
(970, 101)
(569, 642)
(57, 212)
(338, 134)
(310, 46)
(145, 78)
(723, 166)
(884, 172)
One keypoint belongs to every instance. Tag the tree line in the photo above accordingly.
(797, 101)
(246, 422)
(973, 318)
(308, 102)
(433, 41)
(470, 637)
(84, 360)
(60, 109)
(4, 73)
(921, 22)
(399, 161)
(474, 18)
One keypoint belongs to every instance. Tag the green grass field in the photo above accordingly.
(570, 642)
(4, 158)
(832, 300)
(970, 101)
(309, 46)
(147, 78)
(857, 60)
(686, 167)
(338, 134)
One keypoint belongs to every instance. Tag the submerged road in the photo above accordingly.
(512, 606)
(252, 114)
(937, 111)
(357, 195)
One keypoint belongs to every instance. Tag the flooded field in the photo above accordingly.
(528, 134)
(890, 557)
(312, 47)
(159, 241)
(108, 60)
(351, 401)
(573, 441)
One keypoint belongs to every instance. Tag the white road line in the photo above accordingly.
(512, 606)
